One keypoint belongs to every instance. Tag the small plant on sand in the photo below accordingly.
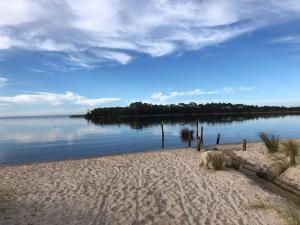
(271, 141)
(291, 148)
(218, 162)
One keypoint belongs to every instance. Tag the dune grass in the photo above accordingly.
(218, 161)
(279, 163)
(271, 141)
(291, 149)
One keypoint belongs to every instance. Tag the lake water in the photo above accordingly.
(24, 140)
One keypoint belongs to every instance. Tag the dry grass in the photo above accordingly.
(286, 211)
(215, 159)
(218, 161)
(271, 141)
(279, 163)
(291, 148)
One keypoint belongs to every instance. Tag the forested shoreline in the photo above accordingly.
(139, 109)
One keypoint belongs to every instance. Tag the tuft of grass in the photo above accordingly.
(291, 148)
(286, 211)
(271, 141)
(218, 161)
(279, 164)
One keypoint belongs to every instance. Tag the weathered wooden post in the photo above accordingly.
(244, 145)
(197, 135)
(218, 138)
(162, 136)
(198, 143)
(201, 137)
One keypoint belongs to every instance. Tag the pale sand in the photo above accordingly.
(163, 187)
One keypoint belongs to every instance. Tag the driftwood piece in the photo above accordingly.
(289, 186)
(263, 172)
(242, 164)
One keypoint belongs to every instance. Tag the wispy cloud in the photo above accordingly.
(290, 39)
(3, 81)
(54, 99)
(119, 28)
(161, 97)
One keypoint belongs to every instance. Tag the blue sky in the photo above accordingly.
(62, 57)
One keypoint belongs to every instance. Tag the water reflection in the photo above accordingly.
(40, 139)
(42, 130)
(211, 119)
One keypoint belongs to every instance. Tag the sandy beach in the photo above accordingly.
(162, 187)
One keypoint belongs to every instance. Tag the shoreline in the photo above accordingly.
(119, 154)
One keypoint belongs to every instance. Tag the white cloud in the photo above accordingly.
(291, 39)
(116, 56)
(54, 99)
(3, 81)
(117, 27)
(197, 92)
(18, 11)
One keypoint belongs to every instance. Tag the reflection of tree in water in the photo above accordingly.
(150, 121)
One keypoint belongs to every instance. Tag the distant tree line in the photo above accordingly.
(141, 122)
(139, 109)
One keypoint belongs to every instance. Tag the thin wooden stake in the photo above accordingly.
(244, 145)
(162, 136)
(218, 138)
(190, 138)
(197, 135)
(198, 143)
(201, 137)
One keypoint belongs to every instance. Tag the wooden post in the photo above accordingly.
(162, 136)
(218, 138)
(190, 138)
(197, 135)
(198, 143)
(201, 137)
(244, 145)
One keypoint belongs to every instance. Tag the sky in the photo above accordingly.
(68, 56)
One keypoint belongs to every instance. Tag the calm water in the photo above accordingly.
(41, 139)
